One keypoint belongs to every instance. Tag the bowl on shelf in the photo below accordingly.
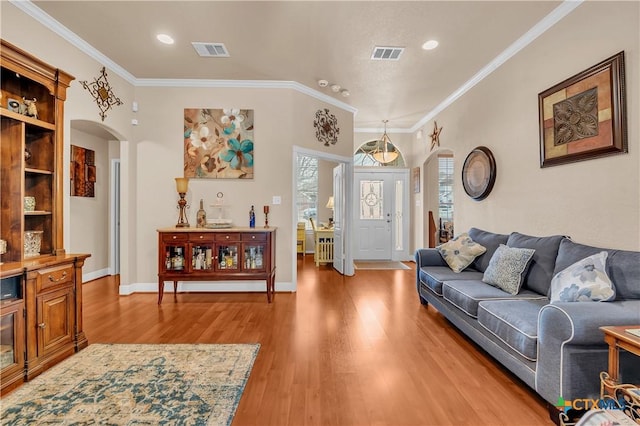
(32, 243)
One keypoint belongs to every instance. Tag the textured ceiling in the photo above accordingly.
(307, 41)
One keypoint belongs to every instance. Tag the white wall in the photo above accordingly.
(89, 230)
(282, 118)
(595, 202)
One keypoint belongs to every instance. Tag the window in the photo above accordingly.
(445, 188)
(307, 189)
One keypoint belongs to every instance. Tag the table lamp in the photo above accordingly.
(330, 206)
(182, 186)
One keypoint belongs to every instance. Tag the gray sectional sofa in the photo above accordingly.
(555, 348)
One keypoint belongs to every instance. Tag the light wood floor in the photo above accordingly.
(341, 351)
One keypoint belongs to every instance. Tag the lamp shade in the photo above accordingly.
(382, 153)
(182, 185)
(330, 202)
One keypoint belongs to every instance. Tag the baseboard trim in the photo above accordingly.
(90, 276)
(197, 286)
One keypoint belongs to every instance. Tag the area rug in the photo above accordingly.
(118, 384)
(380, 265)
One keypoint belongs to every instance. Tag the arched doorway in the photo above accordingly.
(94, 214)
(438, 202)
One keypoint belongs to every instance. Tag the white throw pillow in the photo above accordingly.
(508, 267)
(584, 281)
(460, 252)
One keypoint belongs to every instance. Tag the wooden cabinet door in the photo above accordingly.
(55, 320)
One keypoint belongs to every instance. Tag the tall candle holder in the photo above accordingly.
(266, 216)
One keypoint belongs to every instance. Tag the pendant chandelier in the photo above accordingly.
(385, 152)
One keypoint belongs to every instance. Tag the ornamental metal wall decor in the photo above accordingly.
(102, 93)
(435, 135)
(326, 125)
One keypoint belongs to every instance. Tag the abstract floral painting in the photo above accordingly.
(218, 143)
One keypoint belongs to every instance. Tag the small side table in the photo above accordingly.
(616, 337)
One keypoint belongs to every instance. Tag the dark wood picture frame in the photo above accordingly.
(585, 116)
(479, 173)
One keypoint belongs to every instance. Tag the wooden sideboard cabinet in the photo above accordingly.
(201, 254)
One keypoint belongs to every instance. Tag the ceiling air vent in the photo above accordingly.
(211, 50)
(386, 53)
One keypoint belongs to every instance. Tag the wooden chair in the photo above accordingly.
(323, 250)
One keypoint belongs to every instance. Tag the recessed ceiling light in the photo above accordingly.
(165, 38)
(429, 45)
(335, 87)
(345, 92)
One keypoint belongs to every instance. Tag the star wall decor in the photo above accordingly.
(435, 135)
(102, 93)
(326, 125)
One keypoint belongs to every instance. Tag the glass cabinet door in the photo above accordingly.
(227, 257)
(202, 257)
(253, 257)
(8, 340)
(175, 257)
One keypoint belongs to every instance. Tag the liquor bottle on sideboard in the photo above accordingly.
(252, 218)
(201, 216)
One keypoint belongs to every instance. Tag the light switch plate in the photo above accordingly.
(276, 200)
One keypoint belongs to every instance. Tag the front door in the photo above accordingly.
(381, 225)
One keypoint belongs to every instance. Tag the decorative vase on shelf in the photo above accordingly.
(32, 243)
(29, 204)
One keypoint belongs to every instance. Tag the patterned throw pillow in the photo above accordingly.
(584, 281)
(507, 268)
(460, 252)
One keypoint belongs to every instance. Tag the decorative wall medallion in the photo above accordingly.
(102, 93)
(326, 126)
(435, 135)
(479, 173)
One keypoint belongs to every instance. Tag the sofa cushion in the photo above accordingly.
(623, 267)
(467, 294)
(515, 322)
(460, 252)
(542, 265)
(584, 281)
(434, 276)
(508, 268)
(488, 240)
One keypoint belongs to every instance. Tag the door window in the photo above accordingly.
(371, 200)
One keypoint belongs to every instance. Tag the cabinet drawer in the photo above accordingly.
(200, 237)
(254, 236)
(56, 276)
(227, 236)
(174, 238)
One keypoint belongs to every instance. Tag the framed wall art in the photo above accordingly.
(584, 116)
(83, 172)
(218, 143)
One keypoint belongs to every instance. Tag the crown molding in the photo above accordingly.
(39, 15)
(565, 8)
(246, 84)
(538, 29)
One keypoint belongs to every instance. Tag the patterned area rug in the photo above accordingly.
(380, 265)
(136, 385)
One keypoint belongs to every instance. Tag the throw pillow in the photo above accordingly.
(460, 252)
(584, 281)
(508, 267)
